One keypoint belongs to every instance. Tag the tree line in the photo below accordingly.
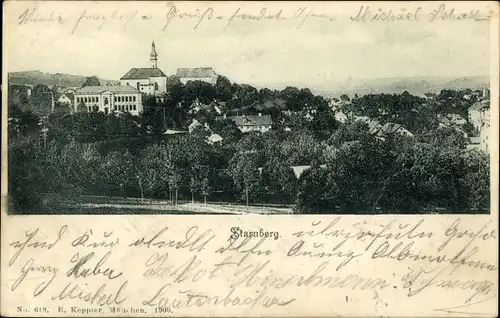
(348, 169)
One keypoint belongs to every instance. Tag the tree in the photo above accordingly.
(311, 197)
(81, 108)
(205, 189)
(223, 89)
(118, 172)
(344, 97)
(279, 180)
(244, 169)
(91, 81)
(193, 186)
(199, 90)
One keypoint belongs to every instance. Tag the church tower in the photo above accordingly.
(153, 56)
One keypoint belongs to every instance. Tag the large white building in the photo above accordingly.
(107, 99)
(479, 112)
(204, 74)
(150, 80)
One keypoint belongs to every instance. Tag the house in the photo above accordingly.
(374, 126)
(194, 124)
(474, 143)
(214, 139)
(109, 99)
(391, 129)
(340, 116)
(150, 80)
(478, 113)
(66, 99)
(429, 96)
(484, 133)
(456, 119)
(205, 74)
(247, 123)
(197, 106)
(451, 120)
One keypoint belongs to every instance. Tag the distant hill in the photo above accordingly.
(414, 85)
(50, 79)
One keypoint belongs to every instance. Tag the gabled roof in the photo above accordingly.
(389, 129)
(143, 73)
(249, 120)
(115, 89)
(199, 72)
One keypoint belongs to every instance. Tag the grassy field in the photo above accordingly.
(56, 204)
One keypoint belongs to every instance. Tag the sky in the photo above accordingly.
(107, 39)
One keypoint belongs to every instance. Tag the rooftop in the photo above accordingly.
(480, 105)
(115, 89)
(143, 73)
(251, 120)
(199, 72)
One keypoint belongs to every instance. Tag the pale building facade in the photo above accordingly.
(150, 80)
(64, 99)
(108, 99)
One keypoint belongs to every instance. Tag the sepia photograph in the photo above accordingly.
(250, 159)
(362, 119)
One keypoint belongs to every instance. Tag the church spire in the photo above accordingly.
(153, 56)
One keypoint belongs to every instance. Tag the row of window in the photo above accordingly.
(123, 108)
(88, 99)
(95, 99)
(126, 108)
(125, 99)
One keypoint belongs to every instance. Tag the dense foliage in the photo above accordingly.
(315, 163)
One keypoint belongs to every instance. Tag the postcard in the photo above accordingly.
(249, 159)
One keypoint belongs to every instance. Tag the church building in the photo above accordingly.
(150, 80)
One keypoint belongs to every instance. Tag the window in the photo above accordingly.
(134, 107)
(106, 101)
(133, 98)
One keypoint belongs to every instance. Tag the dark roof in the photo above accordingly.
(117, 89)
(249, 120)
(143, 73)
(199, 72)
(389, 129)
